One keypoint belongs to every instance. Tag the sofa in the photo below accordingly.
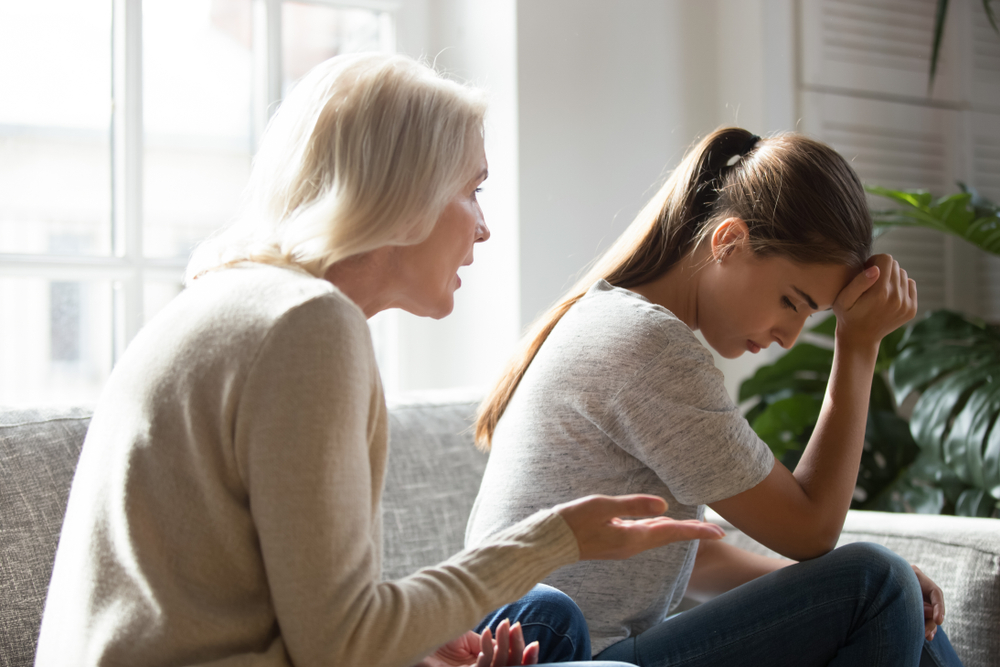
(433, 477)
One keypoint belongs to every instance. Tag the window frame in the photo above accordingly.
(126, 267)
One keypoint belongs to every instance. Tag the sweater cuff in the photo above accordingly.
(516, 559)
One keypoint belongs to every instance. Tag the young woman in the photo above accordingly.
(225, 509)
(612, 393)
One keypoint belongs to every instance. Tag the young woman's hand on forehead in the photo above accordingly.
(878, 301)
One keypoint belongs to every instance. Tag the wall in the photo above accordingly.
(593, 102)
(610, 95)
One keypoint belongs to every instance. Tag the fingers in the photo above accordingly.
(861, 283)
(876, 302)
(486, 649)
(502, 643)
(933, 603)
(933, 597)
(530, 656)
(516, 651)
(602, 534)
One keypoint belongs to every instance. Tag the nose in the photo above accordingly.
(786, 337)
(482, 231)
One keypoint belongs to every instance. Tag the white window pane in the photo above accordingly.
(60, 349)
(312, 33)
(55, 126)
(197, 119)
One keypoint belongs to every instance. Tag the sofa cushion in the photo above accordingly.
(961, 555)
(432, 479)
(38, 453)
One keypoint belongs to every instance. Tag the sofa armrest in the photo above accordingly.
(962, 555)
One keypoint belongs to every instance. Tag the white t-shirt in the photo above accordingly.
(621, 398)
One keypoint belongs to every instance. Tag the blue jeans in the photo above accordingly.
(857, 605)
(550, 617)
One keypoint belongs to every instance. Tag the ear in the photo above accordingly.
(729, 235)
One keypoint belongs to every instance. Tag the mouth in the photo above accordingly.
(753, 347)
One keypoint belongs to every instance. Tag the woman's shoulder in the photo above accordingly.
(272, 292)
(619, 316)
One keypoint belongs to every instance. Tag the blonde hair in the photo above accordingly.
(799, 198)
(365, 151)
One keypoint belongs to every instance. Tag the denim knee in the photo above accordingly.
(887, 580)
(550, 617)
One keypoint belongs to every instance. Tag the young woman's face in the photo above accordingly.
(748, 302)
(428, 271)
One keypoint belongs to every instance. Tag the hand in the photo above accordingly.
(878, 301)
(602, 534)
(933, 603)
(473, 650)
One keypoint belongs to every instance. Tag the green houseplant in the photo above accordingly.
(947, 458)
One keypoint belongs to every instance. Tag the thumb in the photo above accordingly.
(854, 289)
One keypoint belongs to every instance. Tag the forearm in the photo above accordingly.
(828, 469)
(721, 567)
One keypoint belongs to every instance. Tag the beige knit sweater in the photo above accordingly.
(226, 507)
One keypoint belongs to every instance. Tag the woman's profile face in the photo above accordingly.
(747, 302)
(428, 271)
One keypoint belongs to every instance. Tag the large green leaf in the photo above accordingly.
(889, 448)
(804, 368)
(937, 345)
(955, 362)
(782, 423)
(975, 502)
(966, 440)
(940, 402)
(964, 214)
(991, 462)
(907, 494)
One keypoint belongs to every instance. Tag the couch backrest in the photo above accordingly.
(431, 482)
(38, 453)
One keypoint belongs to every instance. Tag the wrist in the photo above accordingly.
(854, 347)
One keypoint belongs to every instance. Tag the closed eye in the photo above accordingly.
(787, 303)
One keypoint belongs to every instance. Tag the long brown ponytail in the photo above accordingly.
(798, 197)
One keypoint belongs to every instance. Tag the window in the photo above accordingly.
(126, 133)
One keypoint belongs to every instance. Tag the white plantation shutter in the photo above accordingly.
(897, 146)
(985, 177)
(864, 91)
(878, 46)
(985, 48)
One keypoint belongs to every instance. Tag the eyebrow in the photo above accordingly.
(809, 299)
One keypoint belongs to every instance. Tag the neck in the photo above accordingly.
(364, 280)
(677, 289)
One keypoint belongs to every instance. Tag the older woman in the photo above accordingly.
(226, 507)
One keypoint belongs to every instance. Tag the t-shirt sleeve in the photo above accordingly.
(675, 415)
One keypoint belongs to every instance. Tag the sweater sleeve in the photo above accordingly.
(310, 444)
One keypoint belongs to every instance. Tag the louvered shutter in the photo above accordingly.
(864, 91)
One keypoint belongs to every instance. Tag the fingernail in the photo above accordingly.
(871, 272)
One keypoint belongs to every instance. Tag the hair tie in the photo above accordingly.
(750, 143)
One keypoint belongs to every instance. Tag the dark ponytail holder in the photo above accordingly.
(750, 143)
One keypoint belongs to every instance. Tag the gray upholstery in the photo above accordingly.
(38, 452)
(431, 482)
(431, 458)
